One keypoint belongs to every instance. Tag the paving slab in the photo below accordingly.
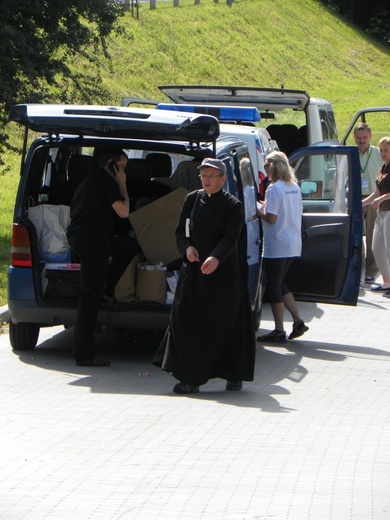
(309, 439)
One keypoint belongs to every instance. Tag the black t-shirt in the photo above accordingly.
(383, 185)
(91, 210)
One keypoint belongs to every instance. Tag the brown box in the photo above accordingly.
(151, 285)
(155, 226)
(125, 288)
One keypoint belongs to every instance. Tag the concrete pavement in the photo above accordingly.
(309, 439)
(4, 314)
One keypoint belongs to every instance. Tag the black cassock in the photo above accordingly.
(211, 332)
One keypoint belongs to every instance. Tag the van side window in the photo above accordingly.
(231, 184)
(248, 188)
(40, 187)
(323, 180)
(328, 124)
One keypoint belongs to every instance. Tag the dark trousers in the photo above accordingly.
(275, 271)
(98, 277)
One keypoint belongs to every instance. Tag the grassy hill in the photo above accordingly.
(255, 42)
(269, 43)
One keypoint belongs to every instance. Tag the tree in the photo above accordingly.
(371, 16)
(40, 40)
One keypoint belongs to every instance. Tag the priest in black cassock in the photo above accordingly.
(211, 331)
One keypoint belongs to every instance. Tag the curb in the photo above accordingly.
(4, 314)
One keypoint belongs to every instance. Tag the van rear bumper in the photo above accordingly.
(142, 316)
(24, 307)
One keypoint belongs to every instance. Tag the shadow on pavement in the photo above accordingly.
(132, 371)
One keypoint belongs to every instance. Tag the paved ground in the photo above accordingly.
(308, 440)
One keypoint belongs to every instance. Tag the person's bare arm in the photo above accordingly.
(368, 200)
(267, 217)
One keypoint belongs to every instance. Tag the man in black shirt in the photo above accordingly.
(92, 237)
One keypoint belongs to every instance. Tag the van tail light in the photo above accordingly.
(20, 247)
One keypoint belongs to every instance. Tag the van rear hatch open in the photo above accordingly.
(262, 98)
(117, 122)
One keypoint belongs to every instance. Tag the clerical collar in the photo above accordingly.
(212, 194)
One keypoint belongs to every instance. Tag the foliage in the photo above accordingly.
(373, 16)
(39, 42)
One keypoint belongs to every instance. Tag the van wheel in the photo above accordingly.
(23, 336)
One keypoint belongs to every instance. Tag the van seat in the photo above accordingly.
(287, 137)
(303, 135)
(186, 175)
(160, 164)
(139, 181)
(138, 170)
(138, 177)
(79, 167)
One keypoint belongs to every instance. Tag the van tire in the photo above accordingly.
(23, 336)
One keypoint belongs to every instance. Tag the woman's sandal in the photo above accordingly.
(379, 288)
(276, 336)
(299, 328)
(93, 362)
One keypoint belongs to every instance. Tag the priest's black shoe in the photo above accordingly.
(183, 389)
(234, 385)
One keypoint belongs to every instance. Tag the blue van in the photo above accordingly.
(164, 150)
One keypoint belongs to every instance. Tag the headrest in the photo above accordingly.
(187, 175)
(286, 131)
(160, 164)
(138, 170)
(79, 167)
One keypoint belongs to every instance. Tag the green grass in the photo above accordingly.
(255, 43)
(265, 43)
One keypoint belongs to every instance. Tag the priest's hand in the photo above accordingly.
(209, 265)
(192, 254)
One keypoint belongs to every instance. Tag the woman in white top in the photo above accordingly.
(281, 214)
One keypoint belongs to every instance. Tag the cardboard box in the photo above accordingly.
(155, 226)
(151, 285)
(125, 288)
